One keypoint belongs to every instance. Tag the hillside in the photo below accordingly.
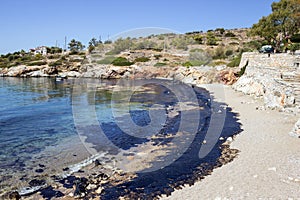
(213, 48)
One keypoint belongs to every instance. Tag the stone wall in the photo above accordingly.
(270, 60)
(275, 79)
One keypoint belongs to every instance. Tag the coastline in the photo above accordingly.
(268, 163)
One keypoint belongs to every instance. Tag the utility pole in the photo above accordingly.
(65, 47)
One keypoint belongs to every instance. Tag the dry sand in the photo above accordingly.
(268, 166)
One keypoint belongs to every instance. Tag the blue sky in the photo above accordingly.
(29, 23)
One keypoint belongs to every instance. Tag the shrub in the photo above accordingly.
(120, 61)
(211, 39)
(243, 69)
(220, 30)
(122, 45)
(107, 42)
(157, 56)
(56, 63)
(235, 61)
(198, 39)
(142, 59)
(294, 47)
(295, 38)
(228, 52)
(254, 44)
(229, 34)
(160, 64)
(199, 58)
(146, 44)
(187, 64)
(218, 63)
(234, 43)
(219, 53)
(107, 60)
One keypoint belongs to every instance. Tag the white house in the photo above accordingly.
(39, 50)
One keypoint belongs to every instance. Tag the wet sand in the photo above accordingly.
(268, 165)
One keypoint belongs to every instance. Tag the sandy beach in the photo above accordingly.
(268, 163)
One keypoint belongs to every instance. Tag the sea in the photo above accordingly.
(49, 127)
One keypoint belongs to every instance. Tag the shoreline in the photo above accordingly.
(268, 163)
(232, 179)
(198, 171)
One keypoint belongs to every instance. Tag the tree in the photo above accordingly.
(281, 24)
(75, 46)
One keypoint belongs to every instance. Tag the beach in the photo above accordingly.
(267, 166)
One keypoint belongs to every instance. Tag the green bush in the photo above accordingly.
(235, 61)
(198, 39)
(295, 38)
(187, 64)
(160, 64)
(56, 63)
(243, 69)
(122, 45)
(107, 60)
(142, 59)
(107, 42)
(120, 61)
(211, 39)
(228, 52)
(229, 34)
(157, 56)
(220, 30)
(219, 53)
(294, 47)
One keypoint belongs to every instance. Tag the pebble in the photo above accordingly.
(231, 188)
(14, 196)
(229, 139)
(204, 142)
(91, 186)
(272, 169)
(221, 138)
(39, 170)
(99, 190)
(255, 176)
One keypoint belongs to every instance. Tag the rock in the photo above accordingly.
(14, 195)
(38, 73)
(99, 190)
(229, 139)
(91, 187)
(272, 169)
(296, 130)
(227, 77)
(70, 74)
(80, 187)
(36, 182)
(97, 163)
(39, 170)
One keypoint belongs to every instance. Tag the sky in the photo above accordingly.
(26, 24)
